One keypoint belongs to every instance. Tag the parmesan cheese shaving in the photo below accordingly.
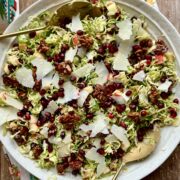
(70, 93)
(43, 67)
(70, 54)
(121, 134)
(24, 77)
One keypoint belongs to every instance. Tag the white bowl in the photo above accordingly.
(159, 26)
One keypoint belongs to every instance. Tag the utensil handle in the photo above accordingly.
(20, 32)
(118, 171)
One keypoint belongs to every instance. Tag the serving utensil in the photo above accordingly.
(142, 150)
(67, 10)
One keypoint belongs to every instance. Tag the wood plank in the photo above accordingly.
(170, 170)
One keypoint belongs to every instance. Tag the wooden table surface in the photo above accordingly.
(170, 170)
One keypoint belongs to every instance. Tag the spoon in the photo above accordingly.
(142, 150)
(65, 11)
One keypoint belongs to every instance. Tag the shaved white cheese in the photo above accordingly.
(70, 93)
(94, 156)
(111, 138)
(140, 76)
(97, 126)
(138, 31)
(97, 143)
(55, 80)
(64, 150)
(76, 24)
(120, 97)
(84, 71)
(67, 138)
(47, 80)
(83, 95)
(102, 73)
(33, 128)
(51, 108)
(105, 131)
(24, 76)
(165, 86)
(90, 55)
(81, 52)
(70, 54)
(55, 140)
(43, 67)
(121, 134)
(101, 169)
(121, 62)
(125, 29)
(8, 100)
(111, 7)
(8, 114)
(44, 131)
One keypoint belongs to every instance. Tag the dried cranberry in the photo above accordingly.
(11, 68)
(101, 151)
(44, 102)
(64, 48)
(50, 147)
(55, 96)
(119, 85)
(48, 115)
(61, 56)
(27, 116)
(160, 105)
(148, 57)
(42, 92)
(164, 95)
(148, 62)
(129, 93)
(37, 86)
(122, 124)
(143, 113)
(136, 48)
(62, 135)
(32, 34)
(146, 43)
(20, 114)
(90, 115)
(121, 108)
(101, 51)
(112, 47)
(49, 59)
(173, 113)
(81, 85)
(111, 115)
(132, 106)
(57, 58)
(80, 32)
(163, 79)
(102, 142)
(176, 101)
(73, 78)
(61, 82)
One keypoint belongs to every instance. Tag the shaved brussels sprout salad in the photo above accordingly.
(80, 96)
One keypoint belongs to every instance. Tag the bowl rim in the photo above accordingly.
(158, 19)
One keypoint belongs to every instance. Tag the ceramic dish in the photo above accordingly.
(159, 26)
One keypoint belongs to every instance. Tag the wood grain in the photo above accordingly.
(170, 170)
